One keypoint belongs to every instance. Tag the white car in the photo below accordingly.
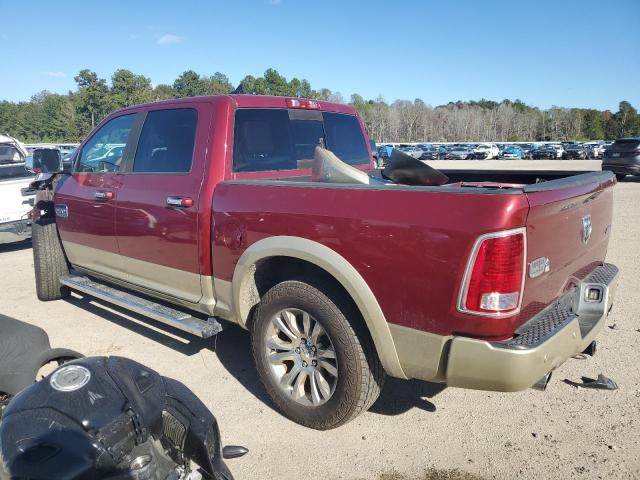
(415, 152)
(596, 149)
(559, 149)
(15, 199)
(486, 151)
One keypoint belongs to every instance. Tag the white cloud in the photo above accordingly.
(54, 74)
(169, 39)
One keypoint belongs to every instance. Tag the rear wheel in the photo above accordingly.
(49, 261)
(316, 368)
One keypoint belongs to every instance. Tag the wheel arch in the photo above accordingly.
(245, 294)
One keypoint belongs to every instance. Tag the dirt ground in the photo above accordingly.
(416, 430)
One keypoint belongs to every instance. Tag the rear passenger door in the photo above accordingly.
(159, 201)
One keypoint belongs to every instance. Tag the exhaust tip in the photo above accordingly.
(541, 385)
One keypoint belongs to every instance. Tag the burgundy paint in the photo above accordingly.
(410, 245)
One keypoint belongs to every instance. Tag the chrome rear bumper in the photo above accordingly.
(559, 332)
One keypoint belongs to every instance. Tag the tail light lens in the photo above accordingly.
(494, 277)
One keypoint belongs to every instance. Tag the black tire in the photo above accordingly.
(620, 176)
(49, 261)
(361, 375)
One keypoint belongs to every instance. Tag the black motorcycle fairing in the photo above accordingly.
(123, 408)
(24, 349)
(406, 170)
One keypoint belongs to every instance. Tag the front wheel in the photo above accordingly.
(318, 371)
(49, 261)
(620, 176)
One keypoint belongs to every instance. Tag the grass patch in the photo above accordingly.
(433, 474)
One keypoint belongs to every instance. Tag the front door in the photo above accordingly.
(159, 202)
(86, 200)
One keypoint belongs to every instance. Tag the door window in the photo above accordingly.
(105, 149)
(166, 141)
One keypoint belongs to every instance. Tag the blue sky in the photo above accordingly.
(562, 52)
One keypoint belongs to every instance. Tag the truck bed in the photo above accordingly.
(411, 244)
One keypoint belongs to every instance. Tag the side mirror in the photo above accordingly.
(47, 160)
(233, 451)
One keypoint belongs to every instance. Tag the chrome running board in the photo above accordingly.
(169, 316)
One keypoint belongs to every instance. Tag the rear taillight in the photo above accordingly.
(302, 103)
(494, 277)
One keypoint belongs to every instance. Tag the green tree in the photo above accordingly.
(593, 126)
(189, 84)
(91, 99)
(163, 92)
(129, 89)
(626, 120)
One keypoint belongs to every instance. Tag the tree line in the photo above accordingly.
(50, 117)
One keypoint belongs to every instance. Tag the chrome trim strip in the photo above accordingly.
(464, 288)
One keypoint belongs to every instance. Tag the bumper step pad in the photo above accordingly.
(556, 316)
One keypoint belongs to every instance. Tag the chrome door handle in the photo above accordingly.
(100, 195)
(180, 202)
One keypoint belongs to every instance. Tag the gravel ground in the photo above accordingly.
(416, 430)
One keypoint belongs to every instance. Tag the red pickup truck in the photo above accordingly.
(193, 210)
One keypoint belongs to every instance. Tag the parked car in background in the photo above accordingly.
(428, 151)
(544, 152)
(414, 151)
(442, 152)
(595, 149)
(459, 152)
(575, 151)
(486, 151)
(623, 157)
(559, 149)
(513, 152)
(16, 199)
(527, 150)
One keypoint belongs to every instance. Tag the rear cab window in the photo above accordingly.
(285, 139)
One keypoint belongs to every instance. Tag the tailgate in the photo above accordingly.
(569, 223)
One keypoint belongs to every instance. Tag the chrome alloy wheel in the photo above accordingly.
(301, 357)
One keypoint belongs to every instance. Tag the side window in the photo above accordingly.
(166, 141)
(104, 150)
(345, 138)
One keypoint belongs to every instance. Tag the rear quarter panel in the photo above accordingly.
(409, 244)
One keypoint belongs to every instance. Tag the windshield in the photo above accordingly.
(8, 154)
